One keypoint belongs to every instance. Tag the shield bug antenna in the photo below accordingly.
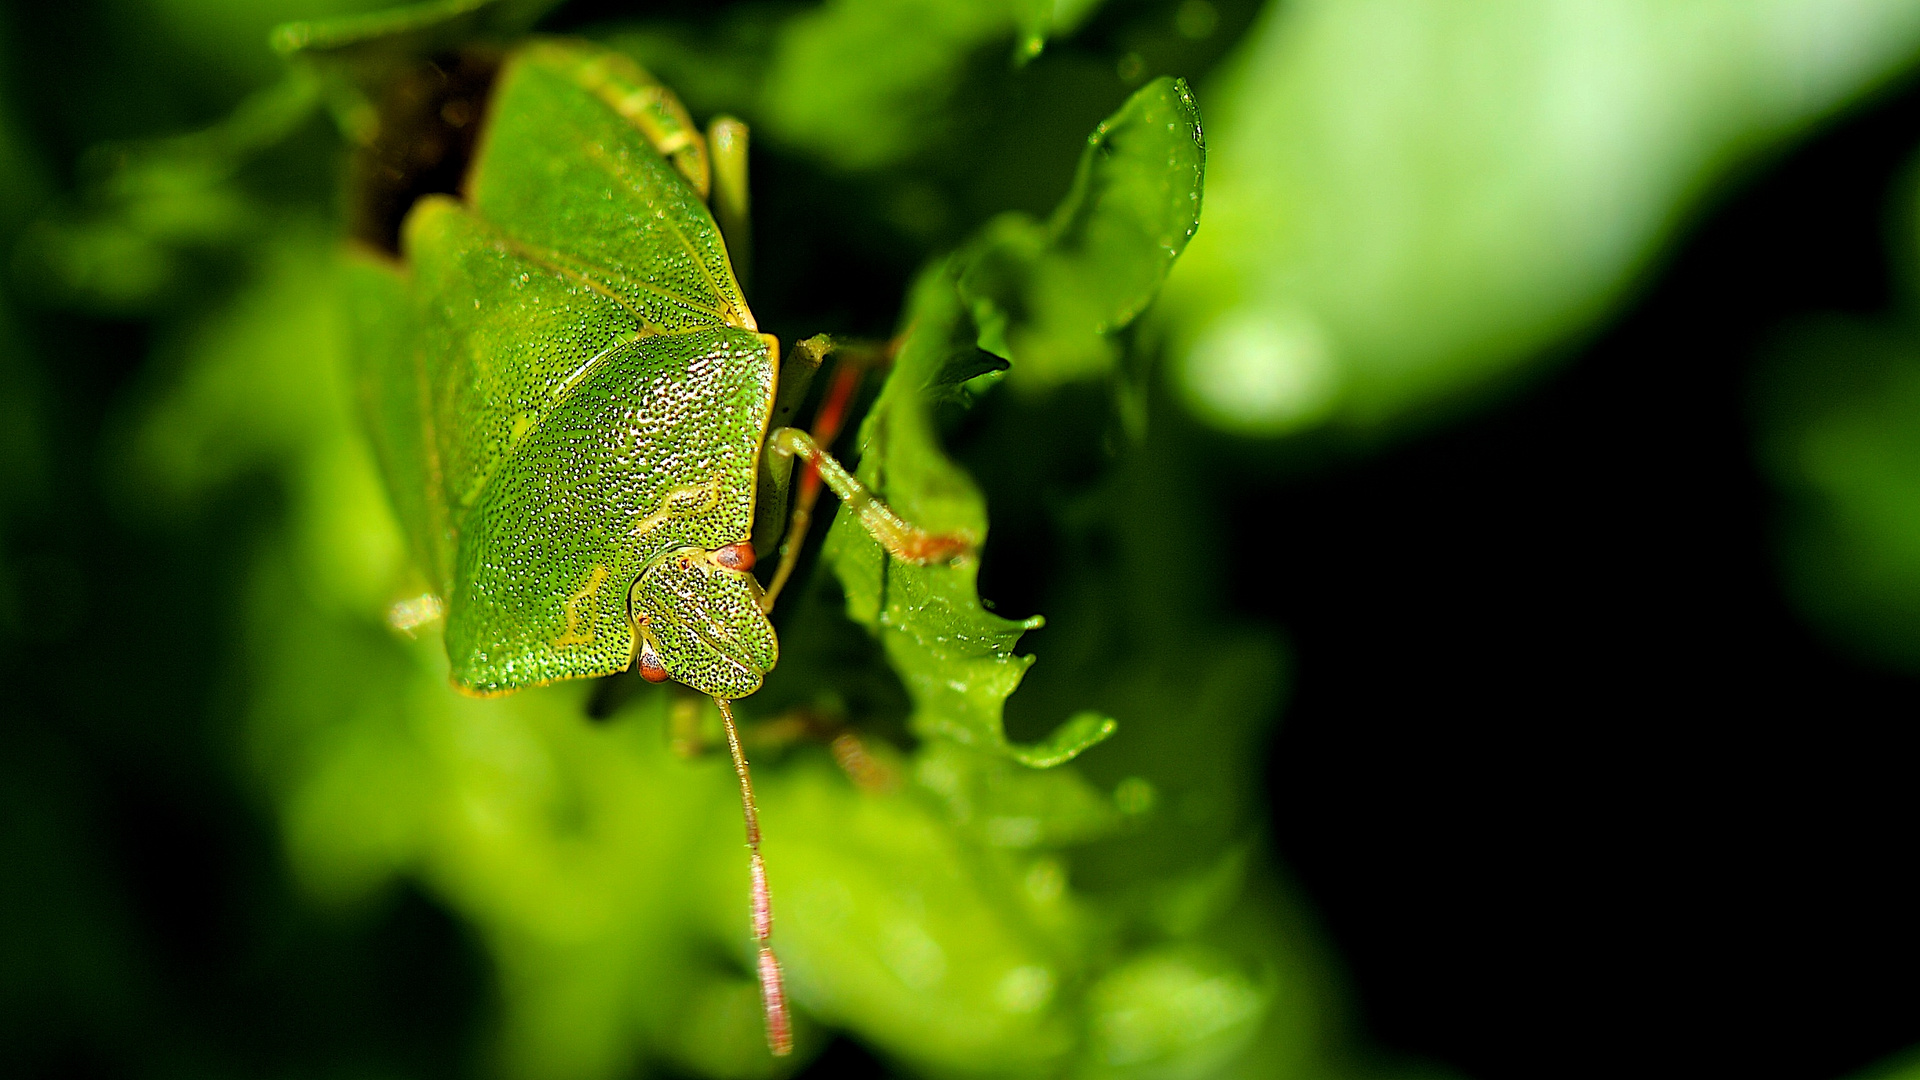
(773, 990)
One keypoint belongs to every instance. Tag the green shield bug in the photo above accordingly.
(573, 404)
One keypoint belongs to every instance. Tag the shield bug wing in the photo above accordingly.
(564, 168)
(384, 343)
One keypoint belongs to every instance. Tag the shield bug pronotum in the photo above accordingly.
(574, 408)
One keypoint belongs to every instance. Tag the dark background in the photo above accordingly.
(1573, 789)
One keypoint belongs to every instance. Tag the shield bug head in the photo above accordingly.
(700, 622)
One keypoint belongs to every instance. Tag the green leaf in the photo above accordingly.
(358, 56)
(254, 385)
(1081, 730)
(151, 207)
(1039, 20)
(1005, 806)
(412, 28)
(1176, 1012)
(863, 83)
(1050, 297)
(954, 656)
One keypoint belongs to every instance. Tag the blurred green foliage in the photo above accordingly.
(1840, 418)
(1403, 202)
(1837, 408)
(22, 470)
(1904, 1066)
(869, 82)
(1409, 200)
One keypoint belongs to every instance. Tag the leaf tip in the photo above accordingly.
(1080, 732)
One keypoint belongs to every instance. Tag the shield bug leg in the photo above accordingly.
(901, 538)
(632, 92)
(776, 478)
(693, 729)
(797, 370)
(773, 990)
(826, 428)
(824, 724)
(688, 736)
(409, 615)
(727, 145)
(867, 771)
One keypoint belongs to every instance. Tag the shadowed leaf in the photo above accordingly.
(1050, 296)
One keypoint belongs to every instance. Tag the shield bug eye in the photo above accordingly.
(649, 663)
(735, 556)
